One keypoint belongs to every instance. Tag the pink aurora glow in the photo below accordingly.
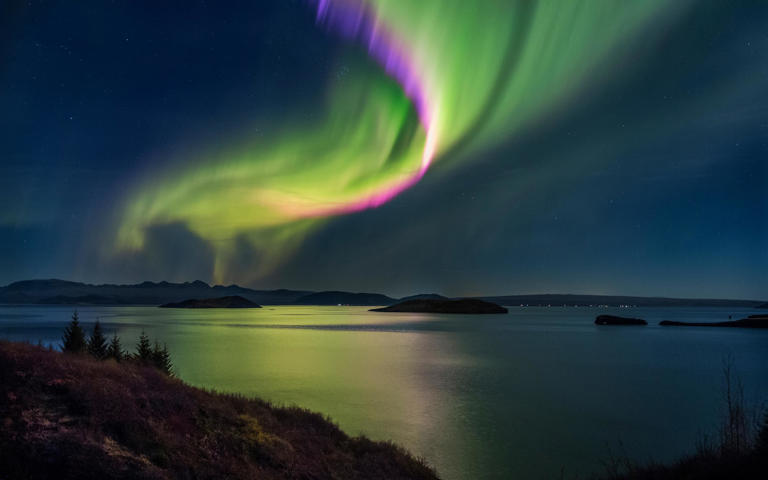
(356, 21)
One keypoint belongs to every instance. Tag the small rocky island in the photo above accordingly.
(615, 320)
(232, 301)
(752, 321)
(432, 305)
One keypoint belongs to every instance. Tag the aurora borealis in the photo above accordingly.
(370, 147)
(406, 138)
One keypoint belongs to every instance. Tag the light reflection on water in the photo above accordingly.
(520, 395)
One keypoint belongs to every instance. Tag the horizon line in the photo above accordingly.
(213, 285)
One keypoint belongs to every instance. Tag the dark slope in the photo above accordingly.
(72, 417)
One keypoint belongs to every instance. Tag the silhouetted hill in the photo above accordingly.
(234, 301)
(145, 293)
(344, 298)
(67, 416)
(556, 300)
(430, 305)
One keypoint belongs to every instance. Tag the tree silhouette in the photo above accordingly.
(144, 349)
(762, 436)
(97, 344)
(162, 359)
(115, 349)
(73, 340)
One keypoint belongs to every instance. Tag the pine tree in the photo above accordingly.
(144, 349)
(762, 436)
(115, 349)
(73, 340)
(97, 344)
(162, 359)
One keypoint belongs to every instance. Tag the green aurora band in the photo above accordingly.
(454, 77)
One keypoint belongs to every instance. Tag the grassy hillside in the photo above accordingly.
(69, 416)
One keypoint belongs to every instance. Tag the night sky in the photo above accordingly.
(400, 147)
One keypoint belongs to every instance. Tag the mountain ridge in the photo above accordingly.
(66, 292)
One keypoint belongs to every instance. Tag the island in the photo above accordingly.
(616, 320)
(753, 321)
(232, 301)
(67, 415)
(431, 305)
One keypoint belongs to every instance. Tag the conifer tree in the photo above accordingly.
(762, 436)
(97, 344)
(73, 340)
(115, 349)
(144, 349)
(162, 359)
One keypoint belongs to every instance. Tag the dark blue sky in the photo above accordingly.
(651, 184)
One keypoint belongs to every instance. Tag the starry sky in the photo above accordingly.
(446, 146)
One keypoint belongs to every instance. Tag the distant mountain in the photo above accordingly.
(145, 293)
(555, 300)
(64, 292)
(234, 301)
(345, 298)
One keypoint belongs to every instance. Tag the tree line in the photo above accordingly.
(146, 353)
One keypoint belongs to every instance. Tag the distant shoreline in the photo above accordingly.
(62, 292)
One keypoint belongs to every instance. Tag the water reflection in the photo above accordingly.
(525, 394)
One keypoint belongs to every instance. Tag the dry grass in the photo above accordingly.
(740, 451)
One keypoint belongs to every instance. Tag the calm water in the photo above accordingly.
(525, 395)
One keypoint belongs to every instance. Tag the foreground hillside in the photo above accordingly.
(68, 416)
(749, 465)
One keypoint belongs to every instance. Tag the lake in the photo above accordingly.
(526, 395)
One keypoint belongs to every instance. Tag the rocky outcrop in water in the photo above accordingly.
(429, 305)
(615, 320)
